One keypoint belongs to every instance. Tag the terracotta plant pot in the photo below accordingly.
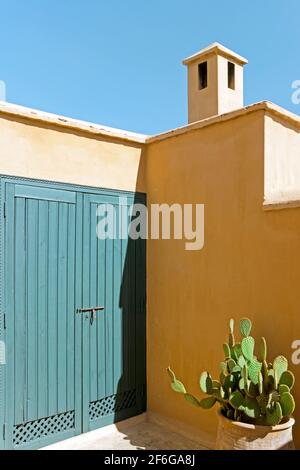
(233, 435)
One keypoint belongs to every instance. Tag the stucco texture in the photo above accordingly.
(45, 151)
(249, 265)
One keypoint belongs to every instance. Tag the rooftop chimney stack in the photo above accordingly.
(215, 82)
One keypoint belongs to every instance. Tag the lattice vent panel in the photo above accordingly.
(44, 427)
(112, 404)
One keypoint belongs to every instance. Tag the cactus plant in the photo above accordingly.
(249, 389)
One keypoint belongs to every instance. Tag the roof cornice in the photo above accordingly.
(69, 123)
(109, 132)
(266, 106)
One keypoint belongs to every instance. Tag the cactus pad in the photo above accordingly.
(237, 350)
(248, 344)
(260, 383)
(242, 361)
(280, 365)
(229, 383)
(208, 402)
(287, 403)
(231, 364)
(254, 369)
(283, 388)
(176, 385)
(237, 400)
(223, 367)
(251, 408)
(191, 399)
(245, 326)
(273, 415)
(263, 349)
(206, 383)
(220, 394)
(226, 350)
(287, 378)
(231, 340)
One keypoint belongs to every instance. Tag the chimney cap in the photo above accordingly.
(218, 49)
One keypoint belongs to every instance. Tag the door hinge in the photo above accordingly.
(4, 431)
(4, 210)
(4, 321)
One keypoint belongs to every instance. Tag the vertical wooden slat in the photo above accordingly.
(109, 317)
(78, 317)
(93, 303)
(117, 312)
(131, 315)
(101, 266)
(52, 308)
(10, 307)
(125, 309)
(20, 310)
(71, 309)
(42, 338)
(62, 308)
(32, 276)
(85, 322)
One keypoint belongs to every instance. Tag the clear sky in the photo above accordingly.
(118, 62)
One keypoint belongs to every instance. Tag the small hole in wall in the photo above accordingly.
(231, 75)
(202, 75)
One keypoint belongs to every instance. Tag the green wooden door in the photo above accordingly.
(40, 302)
(114, 341)
(68, 371)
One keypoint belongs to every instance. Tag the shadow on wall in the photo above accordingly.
(131, 390)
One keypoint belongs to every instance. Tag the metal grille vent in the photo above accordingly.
(33, 430)
(112, 404)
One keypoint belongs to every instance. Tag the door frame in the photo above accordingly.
(5, 438)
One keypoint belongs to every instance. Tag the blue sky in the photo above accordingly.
(118, 62)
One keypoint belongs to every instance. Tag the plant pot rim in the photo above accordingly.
(278, 427)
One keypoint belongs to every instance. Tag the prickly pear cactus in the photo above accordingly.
(250, 389)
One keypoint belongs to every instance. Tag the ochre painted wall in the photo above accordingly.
(51, 153)
(249, 266)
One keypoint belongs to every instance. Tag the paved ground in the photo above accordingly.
(139, 434)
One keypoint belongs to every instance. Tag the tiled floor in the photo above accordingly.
(136, 433)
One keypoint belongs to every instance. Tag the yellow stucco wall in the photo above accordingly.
(44, 151)
(249, 266)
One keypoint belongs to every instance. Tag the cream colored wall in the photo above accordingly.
(282, 161)
(228, 99)
(50, 153)
(249, 266)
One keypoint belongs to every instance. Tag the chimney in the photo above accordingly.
(215, 82)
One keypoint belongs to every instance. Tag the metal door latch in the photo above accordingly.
(92, 311)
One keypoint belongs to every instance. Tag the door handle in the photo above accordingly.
(88, 310)
(92, 311)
